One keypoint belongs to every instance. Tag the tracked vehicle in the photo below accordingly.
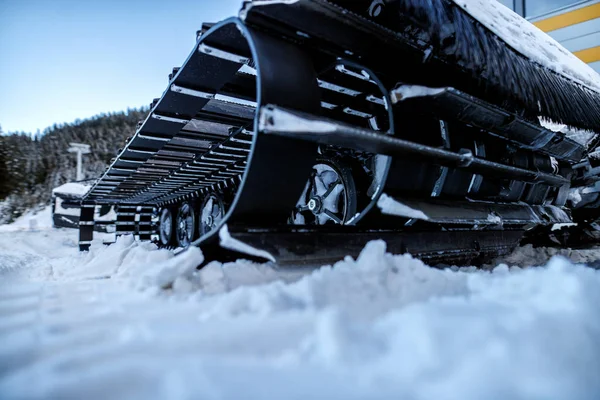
(301, 130)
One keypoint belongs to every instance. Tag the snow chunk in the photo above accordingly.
(528, 256)
(106, 262)
(176, 273)
(389, 205)
(558, 227)
(529, 40)
(574, 196)
(228, 242)
(581, 136)
(494, 219)
(404, 92)
(72, 188)
(386, 280)
(595, 154)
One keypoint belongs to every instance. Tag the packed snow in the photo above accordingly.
(132, 321)
(32, 220)
(529, 40)
(404, 92)
(72, 188)
(581, 136)
(389, 205)
(494, 219)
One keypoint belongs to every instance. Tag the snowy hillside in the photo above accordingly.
(31, 221)
(130, 321)
(31, 166)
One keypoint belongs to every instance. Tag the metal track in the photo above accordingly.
(278, 121)
(257, 101)
(314, 247)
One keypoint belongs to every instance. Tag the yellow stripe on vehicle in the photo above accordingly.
(569, 18)
(589, 55)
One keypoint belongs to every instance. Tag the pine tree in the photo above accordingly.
(5, 185)
(32, 165)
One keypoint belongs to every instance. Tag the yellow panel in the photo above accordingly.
(569, 18)
(589, 55)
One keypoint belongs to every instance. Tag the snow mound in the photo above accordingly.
(104, 262)
(538, 256)
(380, 326)
(178, 274)
(370, 285)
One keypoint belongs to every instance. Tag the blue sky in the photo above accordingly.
(66, 59)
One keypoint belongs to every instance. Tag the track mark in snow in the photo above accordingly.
(381, 326)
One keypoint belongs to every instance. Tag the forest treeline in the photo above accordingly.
(32, 165)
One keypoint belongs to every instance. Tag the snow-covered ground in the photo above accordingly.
(131, 321)
(31, 221)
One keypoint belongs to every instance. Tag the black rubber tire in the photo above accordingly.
(165, 236)
(186, 217)
(206, 226)
(344, 172)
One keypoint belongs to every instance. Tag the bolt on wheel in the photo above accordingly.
(363, 173)
(329, 196)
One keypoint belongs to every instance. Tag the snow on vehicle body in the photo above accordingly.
(284, 127)
(66, 204)
(574, 24)
(66, 207)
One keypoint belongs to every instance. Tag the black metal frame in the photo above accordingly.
(307, 127)
(261, 147)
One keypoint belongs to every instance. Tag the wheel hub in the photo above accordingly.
(315, 205)
(212, 213)
(166, 227)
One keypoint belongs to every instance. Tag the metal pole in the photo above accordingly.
(80, 149)
(79, 161)
(520, 7)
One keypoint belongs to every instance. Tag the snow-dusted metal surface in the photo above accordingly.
(581, 136)
(530, 40)
(289, 122)
(72, 188)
